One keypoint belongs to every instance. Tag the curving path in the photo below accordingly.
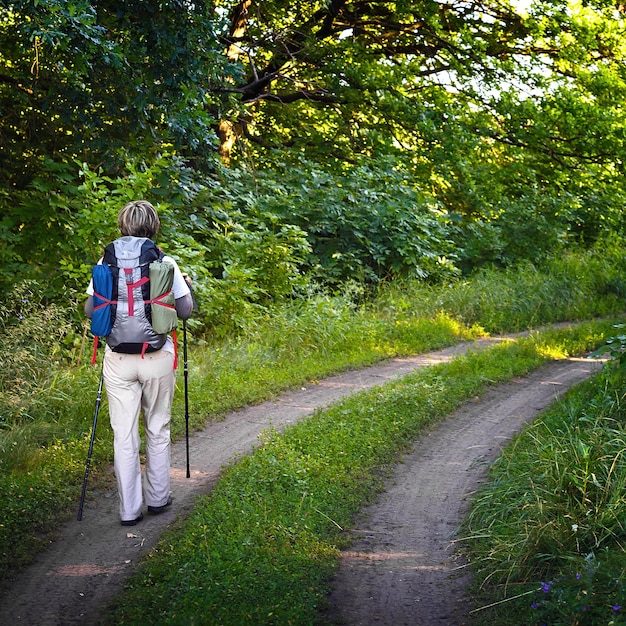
(402, 570)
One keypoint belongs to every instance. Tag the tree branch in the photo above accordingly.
(9, 80)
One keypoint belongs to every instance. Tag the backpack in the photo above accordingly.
(134, 304)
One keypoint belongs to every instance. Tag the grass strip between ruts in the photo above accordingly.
(262, 547)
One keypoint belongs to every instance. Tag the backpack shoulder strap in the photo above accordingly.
(149, 253)
(109, 255)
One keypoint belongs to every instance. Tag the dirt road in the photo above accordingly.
(401, 569)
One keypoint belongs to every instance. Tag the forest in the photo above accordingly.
(344, 181)
(301, 146)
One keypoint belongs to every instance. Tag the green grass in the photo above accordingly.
(261, 549)
(553, 517)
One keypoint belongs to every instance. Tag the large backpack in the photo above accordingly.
(133, 297)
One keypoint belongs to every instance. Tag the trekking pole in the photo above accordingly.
(186, 370)
(93, 435)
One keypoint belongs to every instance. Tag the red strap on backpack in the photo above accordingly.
(129, 289)
(94, 356)
(105, 301)
(159, 300)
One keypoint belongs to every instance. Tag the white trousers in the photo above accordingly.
(137, 385)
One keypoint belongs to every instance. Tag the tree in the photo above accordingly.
(481, 117)
(350, 67)
(350, 79)
(95, 80)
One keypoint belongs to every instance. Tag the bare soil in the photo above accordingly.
(402, 568)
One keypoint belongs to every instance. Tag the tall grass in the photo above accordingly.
(553, 517)
(573, 286)
(37, 389)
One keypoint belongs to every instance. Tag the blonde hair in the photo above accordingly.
(138, 219)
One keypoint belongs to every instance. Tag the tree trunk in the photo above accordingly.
(226, 131)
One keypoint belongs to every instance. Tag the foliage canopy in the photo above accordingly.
(363, 139)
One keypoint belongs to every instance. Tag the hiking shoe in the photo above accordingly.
(131, 522)
(160, 509)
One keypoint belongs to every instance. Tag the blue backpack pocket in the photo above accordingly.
(101, 320)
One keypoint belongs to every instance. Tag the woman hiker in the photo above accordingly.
(139, 363)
